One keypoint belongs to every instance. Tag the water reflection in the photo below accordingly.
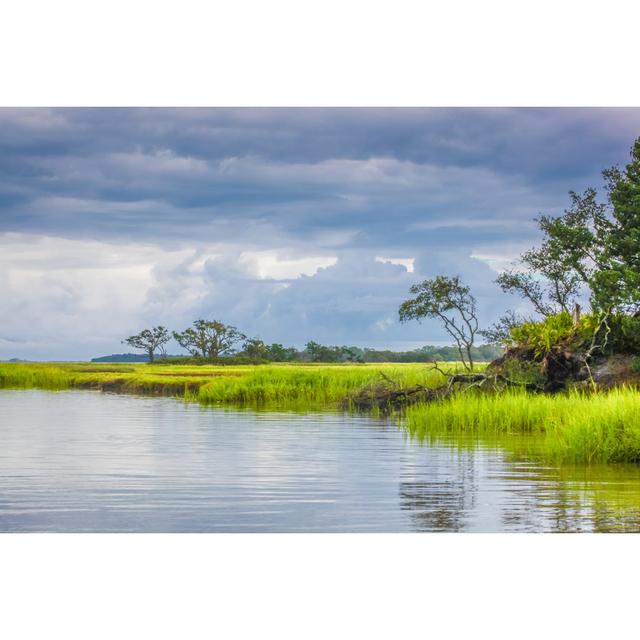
(599, 499)
(443, 501)
(486, 489)
(84, 461)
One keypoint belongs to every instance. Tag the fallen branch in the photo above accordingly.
(387, 399)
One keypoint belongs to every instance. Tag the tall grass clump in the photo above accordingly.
(574, 427)
(317, 385)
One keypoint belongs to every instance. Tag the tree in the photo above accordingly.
(573, 250)
(150, 340)
(320, 353)
(314, 350)
(623, 249)
(528, 287)
(448, 300)
(593, 246)
(571, 253)
(279, 353)
(209, 338)
(256, 349)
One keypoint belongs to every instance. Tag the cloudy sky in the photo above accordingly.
(292, 224)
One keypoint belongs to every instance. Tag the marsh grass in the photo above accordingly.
(572, 428)
(318, 386)
(278, 386)
(23, 376)
(568, 428)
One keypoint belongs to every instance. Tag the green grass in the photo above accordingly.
(572, 428)
(318, 386)
(21, 376)
(282, 386)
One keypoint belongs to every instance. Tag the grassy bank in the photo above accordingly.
(297, 385)
(574, 427)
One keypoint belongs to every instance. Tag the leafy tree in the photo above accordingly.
(593, 245)
(150, 341)
(319, 353)
(451, 302)
(528, 287)
(209, 338)
(278, 353)
(573, 250)
(571, 253)
(313, 350)
(256, 349)
(623, 248)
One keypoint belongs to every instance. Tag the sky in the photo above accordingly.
(291, 224)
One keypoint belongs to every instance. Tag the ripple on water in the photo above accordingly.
(87, 461)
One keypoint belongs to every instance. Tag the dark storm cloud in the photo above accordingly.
(92, 153)
(542, 140)
(300, 168)
(243, 194)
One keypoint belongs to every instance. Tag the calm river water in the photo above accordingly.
(87, 461)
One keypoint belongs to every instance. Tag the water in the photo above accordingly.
(86, 461)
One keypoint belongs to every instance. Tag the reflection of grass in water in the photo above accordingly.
(597, 497)
(609, 493)
(573, 427)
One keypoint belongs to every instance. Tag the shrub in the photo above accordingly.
(543, 335)
(623, 333)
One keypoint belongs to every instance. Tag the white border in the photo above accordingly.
(297, 53)
(310, 586)
(329, 53)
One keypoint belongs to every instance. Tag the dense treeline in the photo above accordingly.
(429, 353)
(315, 352)
(214, 341)
(255, 350)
